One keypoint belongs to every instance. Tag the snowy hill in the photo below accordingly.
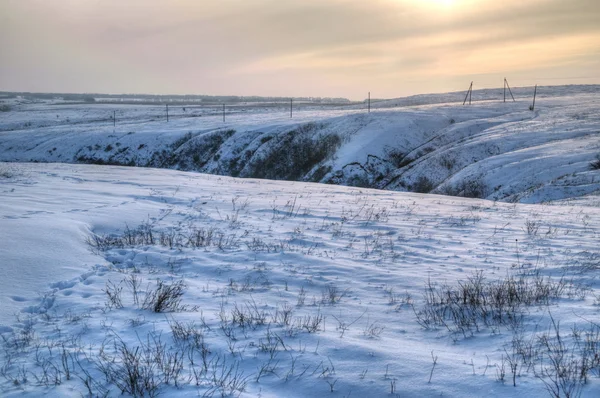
(490, 149)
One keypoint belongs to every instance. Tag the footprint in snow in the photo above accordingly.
(86, 275)
(62, 285)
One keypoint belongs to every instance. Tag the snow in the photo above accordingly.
(362, 258)
(394, 147)
(301, 289)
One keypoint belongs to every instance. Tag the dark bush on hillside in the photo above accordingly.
(320, 173)
(396, 157)
(181, 140)
(191, 152)
(422, 185)
(202, 149)
(105, 162)
(468, 188)
(595, 164)
(292, 155)
(473, 189)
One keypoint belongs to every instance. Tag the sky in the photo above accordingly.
(318, 48)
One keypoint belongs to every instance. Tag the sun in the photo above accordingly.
(445, 3)
(435, 3)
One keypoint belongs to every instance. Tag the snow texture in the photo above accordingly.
(300, 289)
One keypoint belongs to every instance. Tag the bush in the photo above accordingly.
(396, 157)
(422, 185)
(473, 189)
(447, 162)
(474, 304)
(165, 298)
(320, 173)
(293, 154)
(200, 149)
(595, 164)
(5, 108)
(467, 188)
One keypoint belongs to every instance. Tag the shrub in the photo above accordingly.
(595, 164)
(467, 188)
(5, 108)
(200, 149)
(293, 154)
(447, 162)
(181, 140)
(396, 157)
(473, 189)
(165, 297)
(470, 305)
(265, 139)
(320, 173)
(422, 185)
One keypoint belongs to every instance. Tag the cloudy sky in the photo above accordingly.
(337, 48)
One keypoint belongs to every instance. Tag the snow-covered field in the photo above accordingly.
(288, 289)
(152, 281)
(490, 149)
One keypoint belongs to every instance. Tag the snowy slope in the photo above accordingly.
(491, 149)
(289, 288)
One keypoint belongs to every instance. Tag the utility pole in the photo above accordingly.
(114, 119)
(291, 105)
(223, 113)
(469, 92)
(167, 112)
(509, 90)
(369, 103)
(534, 93)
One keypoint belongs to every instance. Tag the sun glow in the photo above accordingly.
(435, 3)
